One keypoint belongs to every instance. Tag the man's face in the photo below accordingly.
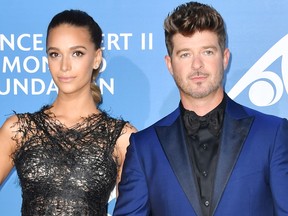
(197, 64)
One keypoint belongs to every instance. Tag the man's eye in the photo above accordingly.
(184, 55)
(208, 52)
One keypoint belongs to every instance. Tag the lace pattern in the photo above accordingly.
(66, 171)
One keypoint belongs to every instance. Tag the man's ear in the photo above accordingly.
(168, 62)
(226, 57)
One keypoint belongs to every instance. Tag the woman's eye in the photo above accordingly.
(53, 54)
(78, 53)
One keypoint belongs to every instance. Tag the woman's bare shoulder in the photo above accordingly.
(9, 127)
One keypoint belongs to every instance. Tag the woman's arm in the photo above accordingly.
(121, 147)
(7, 147)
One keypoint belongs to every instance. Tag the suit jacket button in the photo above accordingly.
(204, 173)
(206, 203)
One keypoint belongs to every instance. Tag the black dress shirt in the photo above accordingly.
(203, 138)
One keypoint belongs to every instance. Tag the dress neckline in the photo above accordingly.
(82, 122)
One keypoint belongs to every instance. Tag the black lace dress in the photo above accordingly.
(66, 171)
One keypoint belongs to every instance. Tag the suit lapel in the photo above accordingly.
(235, 131)
(172, 139)
(236, 127)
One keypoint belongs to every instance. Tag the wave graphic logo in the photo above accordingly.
(266, 87)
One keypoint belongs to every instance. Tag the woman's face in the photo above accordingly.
(71, 58)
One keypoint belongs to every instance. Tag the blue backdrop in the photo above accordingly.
(135, 82)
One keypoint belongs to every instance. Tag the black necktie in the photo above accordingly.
(212, 121)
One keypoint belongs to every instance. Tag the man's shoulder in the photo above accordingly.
(245, 111)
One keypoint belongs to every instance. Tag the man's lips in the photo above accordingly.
(198, 76)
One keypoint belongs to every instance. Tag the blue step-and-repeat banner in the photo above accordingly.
(134, 80)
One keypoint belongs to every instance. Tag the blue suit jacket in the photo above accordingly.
(251, 175)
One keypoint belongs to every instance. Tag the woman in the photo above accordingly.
(68, 155)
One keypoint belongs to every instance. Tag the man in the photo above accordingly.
(211, 156)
